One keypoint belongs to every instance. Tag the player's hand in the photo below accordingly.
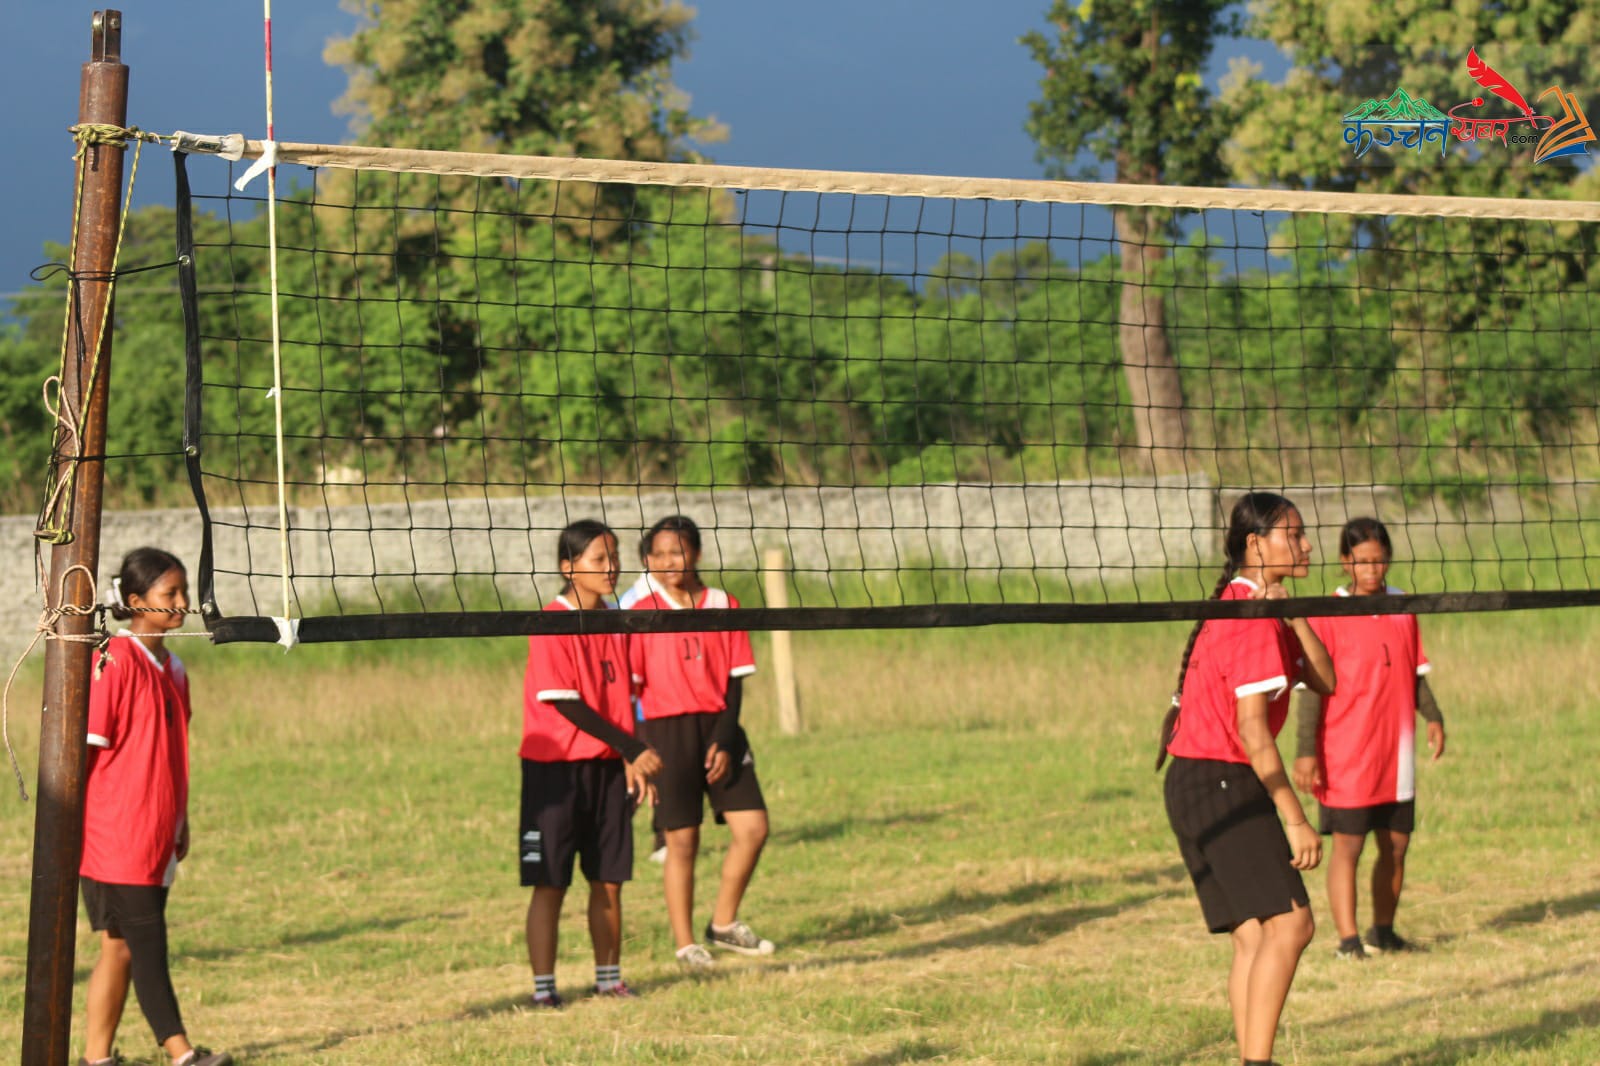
(1308, 773)
(717, 764)
(1436, 739)
(647, 765)
(640, 788)
(183, 839)
(1305, 846)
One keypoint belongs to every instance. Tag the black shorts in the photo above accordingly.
(575, 809)
(1232, 843)
(1359, 821)
(682, 742)
(110, 906)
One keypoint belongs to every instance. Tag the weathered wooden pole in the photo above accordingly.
(775, 564)
(58, 823)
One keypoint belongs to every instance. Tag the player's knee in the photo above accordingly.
(683, 843)
(1293, 929)
(115, 951)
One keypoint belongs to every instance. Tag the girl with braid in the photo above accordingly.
(1356, 750)
(1227, 787)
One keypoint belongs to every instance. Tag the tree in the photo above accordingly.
(1122, 83)
(1345, 52)
(523, 77)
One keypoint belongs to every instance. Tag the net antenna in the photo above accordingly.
(911, 385)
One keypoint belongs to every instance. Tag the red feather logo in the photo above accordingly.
(1495, 82)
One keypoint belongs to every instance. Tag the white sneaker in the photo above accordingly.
(695, 957)
(659, 855)
(738, 937)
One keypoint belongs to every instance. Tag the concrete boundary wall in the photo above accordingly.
(1078, 531)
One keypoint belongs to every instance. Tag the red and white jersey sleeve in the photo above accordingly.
(590, 667)
(1367, 741)
(137, 792)
(688, 673)
(1234, 658)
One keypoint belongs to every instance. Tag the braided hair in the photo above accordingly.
(1254, 513)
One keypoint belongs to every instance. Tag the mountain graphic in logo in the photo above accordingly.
(1397, 107)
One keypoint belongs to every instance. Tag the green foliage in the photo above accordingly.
(1122, 83)
(498, 351)
(522, 77)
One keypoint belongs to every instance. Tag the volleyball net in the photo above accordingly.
(944, 401)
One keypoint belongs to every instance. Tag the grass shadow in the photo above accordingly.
(325, 935)
(1546, 910)
(864, 922)
(1528, 1039)
(1026, 929)
(816, 832)
(908, 1051)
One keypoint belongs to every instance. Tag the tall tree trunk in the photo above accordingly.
(1154, 388)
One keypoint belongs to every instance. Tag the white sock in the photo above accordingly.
(544, 986)
(607, 977)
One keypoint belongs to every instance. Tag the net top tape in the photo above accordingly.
(696, 175)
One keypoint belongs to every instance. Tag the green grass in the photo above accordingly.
(970, 863)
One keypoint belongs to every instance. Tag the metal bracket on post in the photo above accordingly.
(105, 44)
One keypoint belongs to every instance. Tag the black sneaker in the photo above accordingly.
(738, 937)
(550, 1002)
(201, 1056)
(1380, 941)
(1351, 952)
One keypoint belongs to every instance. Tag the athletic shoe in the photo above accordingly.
(695, 957)
(1382, 940)
(547, 1002)
(200, 1056)
(659, 855)
(1354, 953)
(116, 1059)
(620, 990)
(738, 938)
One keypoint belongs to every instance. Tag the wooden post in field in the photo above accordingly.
(74, 559)
(775, 566)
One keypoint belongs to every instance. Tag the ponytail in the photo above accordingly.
(1254, 513)
(1169, 724)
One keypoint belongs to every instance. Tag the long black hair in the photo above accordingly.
(1255, 513)
(141, 569)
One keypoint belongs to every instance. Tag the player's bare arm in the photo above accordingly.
(1262, 749)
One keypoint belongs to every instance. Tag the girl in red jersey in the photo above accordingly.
(691, 690)
(1356, 748)
(136, 809)
(578, 792)
(1227, 787)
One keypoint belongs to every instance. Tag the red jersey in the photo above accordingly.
(592, 667)
(687, 673)
(137, 792)
(1234, 658)
(1368, 737)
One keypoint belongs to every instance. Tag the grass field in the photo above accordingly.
(970, 863)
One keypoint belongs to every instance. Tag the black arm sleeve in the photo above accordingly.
(581, 715)
(1308, 722)
(1427, 706)
(728, 735)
